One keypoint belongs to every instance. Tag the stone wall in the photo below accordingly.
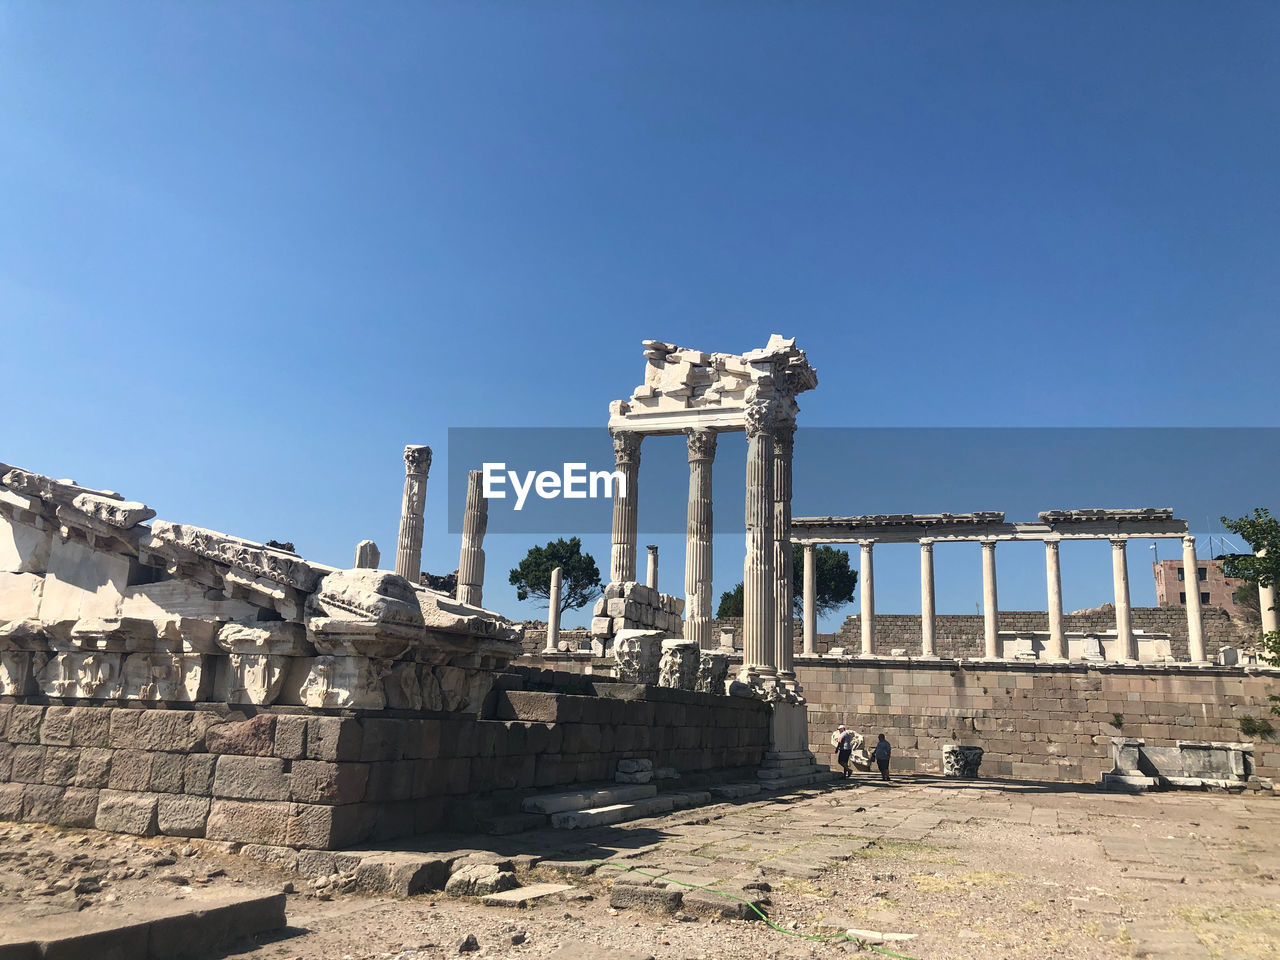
(960, 635)
(1034, 720)
(281, 776)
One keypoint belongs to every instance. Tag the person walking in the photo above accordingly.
(883, 752)
(842, 739)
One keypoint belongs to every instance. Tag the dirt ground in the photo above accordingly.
(920, 868)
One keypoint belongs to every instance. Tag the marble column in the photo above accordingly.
(1267, 603)
(757, 570)
(1057, 649)
(868, 614)
(1128, 646)
(697, 543)
(626, 457)
(475, 520)
(810, 600)
(417, 464)
(651, 567)
(1195, 619)
(990, 606)
(928, 607)
(553, 612)
(783, 555)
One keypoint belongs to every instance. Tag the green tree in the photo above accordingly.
(579, 577)
(835, 584)
(730, 604)
(1262, 532)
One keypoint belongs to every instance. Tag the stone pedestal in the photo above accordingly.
(961, 762)
(788, 763)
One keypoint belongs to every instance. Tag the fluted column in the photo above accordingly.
(553, 612)
(1267, 602)
(417, 464)
(1120, 575)
(651, 567)
(1195, 619)
(697, 543)
(867, 575)
(471, 558)
(1053, 575)
(810, 600)
(990, 606)
(783, 555)
(928, 608)
(626, 457)
(757, 570)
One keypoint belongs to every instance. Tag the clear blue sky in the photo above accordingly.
(248, 251)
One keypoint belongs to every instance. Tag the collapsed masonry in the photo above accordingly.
(162, 678)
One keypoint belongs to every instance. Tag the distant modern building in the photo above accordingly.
(1173, 581)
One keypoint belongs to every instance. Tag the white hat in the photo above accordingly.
(841, 727)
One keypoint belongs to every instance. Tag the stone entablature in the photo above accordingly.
(95, 603)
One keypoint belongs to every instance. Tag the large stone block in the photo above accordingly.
(334, 738)
(60, 766)
(182, 816)
(250, 778)
(40, 802)
(24, 723)
(94, 768)
(254, 737)
(124, 727)
(321, 827)
(133, 813)
(384, 739)
(77, 808)
(291, 737)
(389, 781)
(197, 774)
(168, 730)
(55, 731)
(91, 726)
(167, 772)
(11, 801)
(28, 763)
(131, 770)
(319, 781)
(249, 821)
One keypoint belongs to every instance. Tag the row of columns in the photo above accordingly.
(767, 570)
(1057, 646)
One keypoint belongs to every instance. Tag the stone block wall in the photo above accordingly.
(285, 777)
(1034, 720)
(960, 635)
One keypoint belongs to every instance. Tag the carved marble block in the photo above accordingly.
(961, 761)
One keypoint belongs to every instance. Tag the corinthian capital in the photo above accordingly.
(762, 417)
(626, 447)
(702, 444)
(417, 460)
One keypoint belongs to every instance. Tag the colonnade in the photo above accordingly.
(1056, 648)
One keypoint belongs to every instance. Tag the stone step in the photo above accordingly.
(613, 813)
(526, 896)
(1127, 784)
(552, 803)
(819, 775)
(690, 798)
(778, 773)
(735, 791)
(509, 823)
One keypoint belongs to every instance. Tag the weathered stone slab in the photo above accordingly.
(526, 896)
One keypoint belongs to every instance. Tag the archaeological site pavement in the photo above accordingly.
(920, 867)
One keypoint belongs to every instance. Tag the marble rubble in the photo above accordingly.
(99, 600)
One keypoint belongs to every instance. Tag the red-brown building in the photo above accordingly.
(1173, 581)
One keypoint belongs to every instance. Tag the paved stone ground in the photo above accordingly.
(959, 870)
(982, 869)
